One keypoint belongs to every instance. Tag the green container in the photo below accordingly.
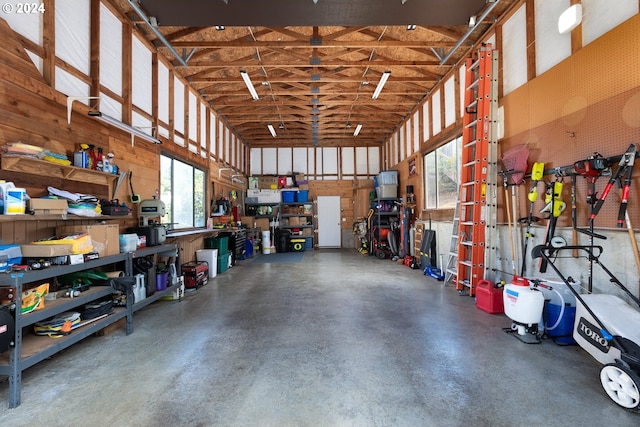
(223, 262)
(219, 243)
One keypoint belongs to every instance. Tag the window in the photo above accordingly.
(183, 192)
(442, 170)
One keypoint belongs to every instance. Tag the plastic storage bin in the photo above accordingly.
(387, 191)
(302, 196)
(297, 245)
(210, 256)
(219, 243)
(388, 177)
(288, 196)
(223, 262)
(128, 242)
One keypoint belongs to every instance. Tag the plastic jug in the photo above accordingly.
(14, 200)
(4, 186)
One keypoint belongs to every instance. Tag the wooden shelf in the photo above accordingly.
(44, 168)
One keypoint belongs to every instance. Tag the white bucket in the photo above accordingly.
(210, 256)
(523, 304)
(266, 242)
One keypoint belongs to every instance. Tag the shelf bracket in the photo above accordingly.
(70, 100)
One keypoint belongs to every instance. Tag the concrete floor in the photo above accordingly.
(339, 339)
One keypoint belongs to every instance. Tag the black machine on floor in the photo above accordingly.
(7, 329)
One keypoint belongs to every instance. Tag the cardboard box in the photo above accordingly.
(105, 237)
(48, 206)
(80, 241)
(267, 182)
(294, 220)
(263, 223)
(46, 251)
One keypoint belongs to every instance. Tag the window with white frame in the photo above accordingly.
(441, 175)
(182, 189)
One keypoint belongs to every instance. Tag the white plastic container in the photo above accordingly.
(139, 288)
(128, 242)
(210, 256)
(266, 242)
(523, 304)
(15, 200)
(388, 177)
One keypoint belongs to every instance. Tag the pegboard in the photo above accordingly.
(589, 103)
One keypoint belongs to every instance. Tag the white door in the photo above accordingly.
(328, 221)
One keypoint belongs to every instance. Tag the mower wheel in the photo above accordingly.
(621, 384)
(381, 255)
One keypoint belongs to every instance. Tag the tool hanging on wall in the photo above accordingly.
(554, 206)
(537, 171)
(514, 161)
(135, 198)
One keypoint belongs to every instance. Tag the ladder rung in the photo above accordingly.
(453, 254)
(466, 243)
(466, 165)
(470, 144)
(471, 124)
(473, 85)
(465, 283)
(452, 271)
(473, 104)
(474, 64)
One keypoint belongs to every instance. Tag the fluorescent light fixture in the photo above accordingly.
(357, 131)
(381, 83)
(272, 130)
(125, 127)
(249, 84)
(570, 19)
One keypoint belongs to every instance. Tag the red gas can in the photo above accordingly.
(489, 297)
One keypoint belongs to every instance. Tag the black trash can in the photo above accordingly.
(282, 240)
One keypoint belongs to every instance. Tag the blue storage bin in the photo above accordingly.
(303, 195)
(288, 196)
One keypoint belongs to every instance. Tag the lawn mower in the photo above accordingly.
(608, 328)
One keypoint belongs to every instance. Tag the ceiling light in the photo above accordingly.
(220, 27)
(357, 131)
(265, 83)
(247, 81)
(348, 125)
(281, 125)
(272, 130)
(472, 21)
(570, 19)
(411, 27)
(381, 83)
(125, 127)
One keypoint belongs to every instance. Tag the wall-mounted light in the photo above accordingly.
(411, 27)
(220, 27)
(381, 83)
(70, 100)
(570, 19)
(272, 130)
(247, 81)
(357, 131)
(123, 126)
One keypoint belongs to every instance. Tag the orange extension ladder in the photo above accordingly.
(476, 209)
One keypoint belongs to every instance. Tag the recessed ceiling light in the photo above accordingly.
(220, 27)
(411, 27)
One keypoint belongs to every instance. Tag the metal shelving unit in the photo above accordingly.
(31, 349)
(308, 217)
